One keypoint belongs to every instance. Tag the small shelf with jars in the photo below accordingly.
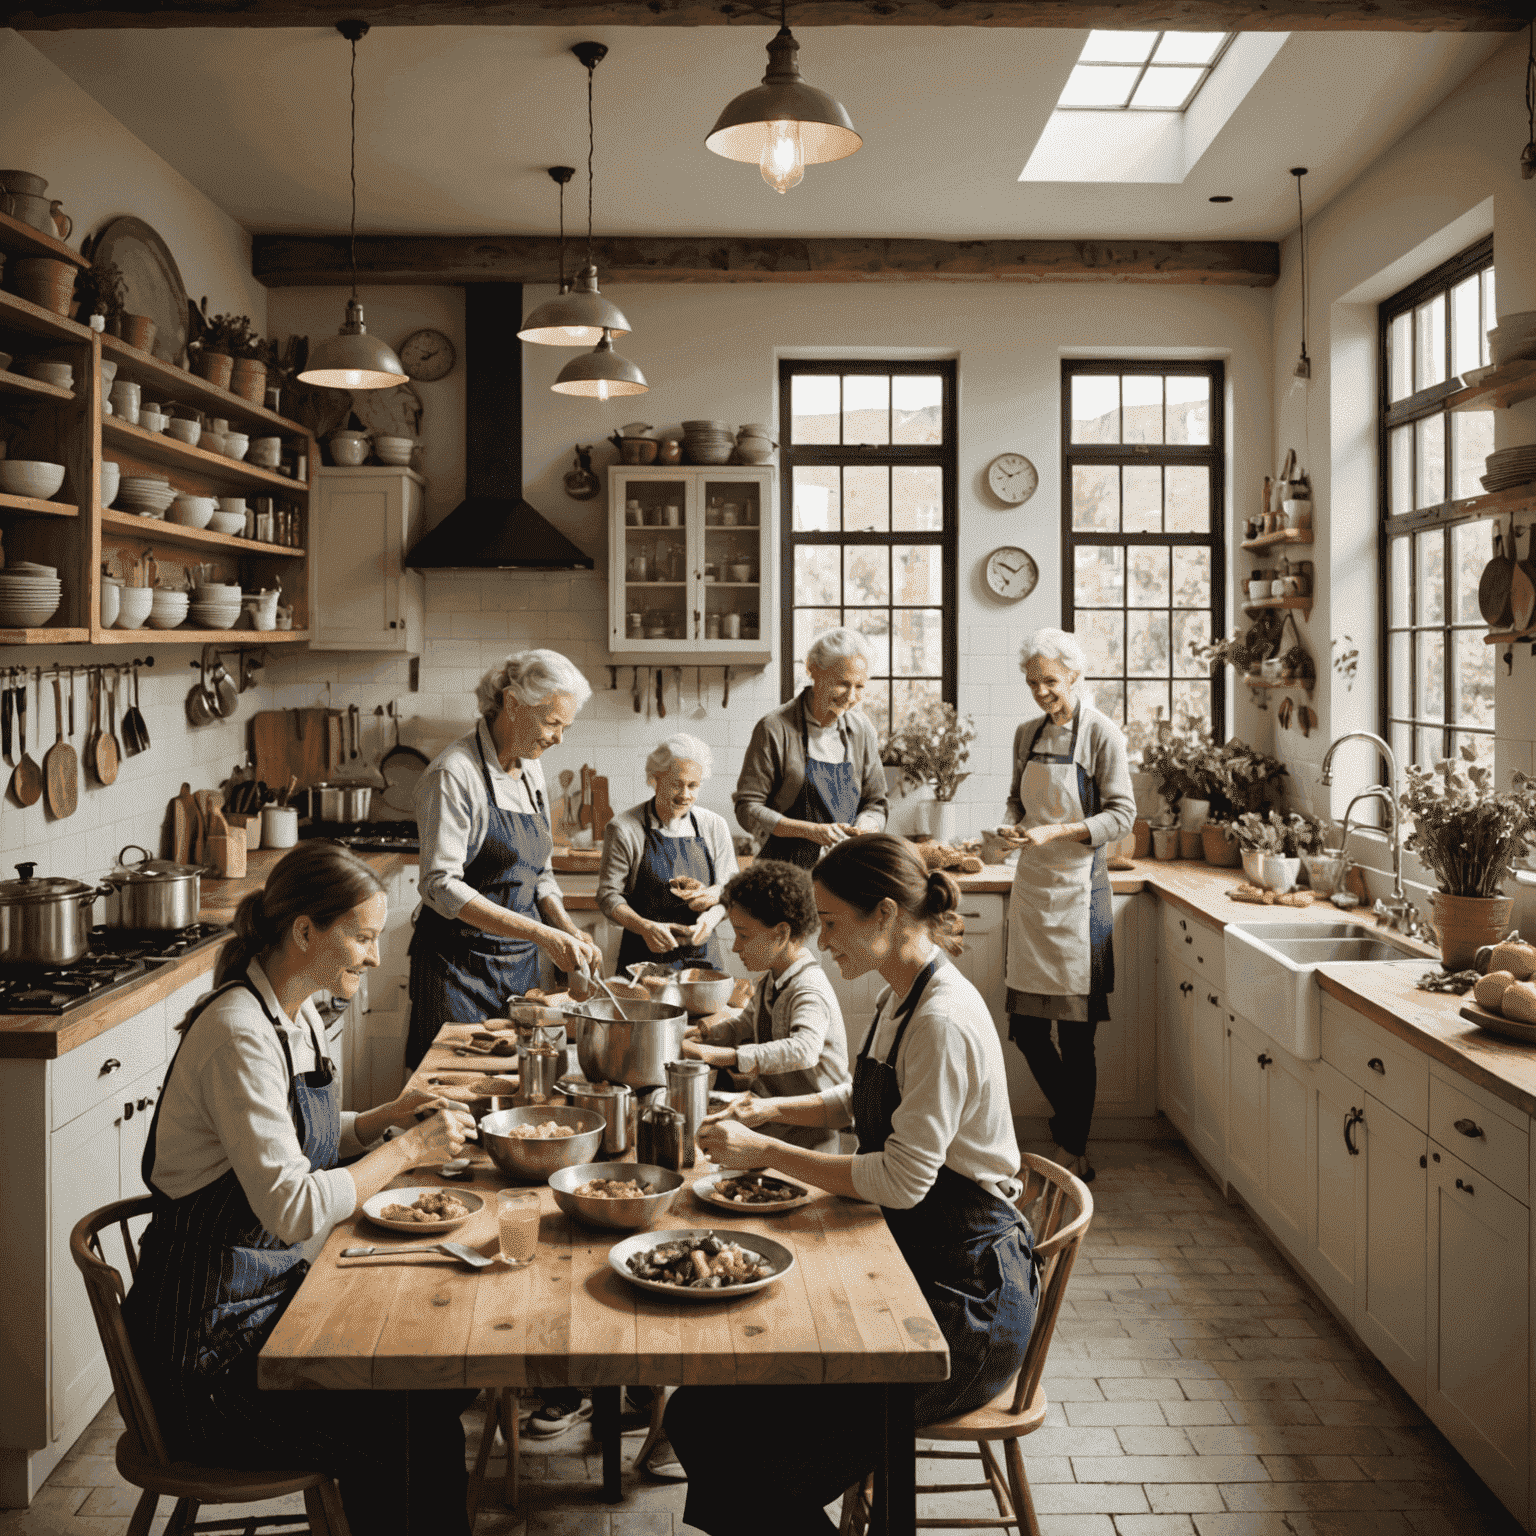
(691, 568)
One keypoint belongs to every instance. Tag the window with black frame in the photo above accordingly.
(1143, 557)
(1437, 673)
(869, 483)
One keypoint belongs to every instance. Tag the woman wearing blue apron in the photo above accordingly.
(245, 1165)
(811, 775)
(1070, 795)
(490, 901)
(936, 1150)
(665, 862)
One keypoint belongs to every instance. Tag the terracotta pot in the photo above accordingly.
(216, 367)
(45, 282)
(1165, 843)
(249, 380)
(1220, 846)
(1141, 830)
(1464, 924)
(139, 331)
(1191, 845)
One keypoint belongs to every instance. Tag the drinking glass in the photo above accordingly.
(517, 1217)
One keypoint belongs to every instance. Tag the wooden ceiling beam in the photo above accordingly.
(304, 261)
(1173, 15)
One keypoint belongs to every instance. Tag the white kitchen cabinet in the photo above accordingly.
(362, 597)
(982, 960)
(1390, 1298)
(1208, 1062)
(1175, 1044)
(692, 563)
(1248, 1054)
(1268, 1115)
(1332, 1256)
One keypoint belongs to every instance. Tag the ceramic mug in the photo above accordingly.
(279, 826)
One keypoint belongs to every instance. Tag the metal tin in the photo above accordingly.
(614, 1102)
(688, 1093)
(340, 802)
(44, 921)
(659, 1137)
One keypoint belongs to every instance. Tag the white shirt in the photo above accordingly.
(225, 1105)
(954, 1109)
(824, 742)
(624, 851)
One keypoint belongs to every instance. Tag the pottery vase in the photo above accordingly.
(1219, 846)
(1465, 924)
(941, 820)
(139, 331)
(248, 379)
(216, 367)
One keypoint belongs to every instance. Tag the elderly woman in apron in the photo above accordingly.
(249, 1157)
(1071, 794)
(665, 863)
(490, 901)
(811, 775)
(936, 1151)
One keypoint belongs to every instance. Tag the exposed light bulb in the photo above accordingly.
(602, 389)
(783, 160)
(580, 334)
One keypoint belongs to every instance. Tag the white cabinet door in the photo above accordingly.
(362, 596)
(1332, 1255)
(1478, 1380)
(982, 960)
(1285, 1155)
(1390, 1294)
(1246, 1145)
(1175, 1044)
(1208, 1060)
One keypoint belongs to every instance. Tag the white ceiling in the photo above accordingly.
(456, 126)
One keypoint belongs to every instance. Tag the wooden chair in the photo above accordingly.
(142, 1457)
(500, 1412)
(1059, 1208)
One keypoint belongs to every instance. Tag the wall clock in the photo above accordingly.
(427, 356)
(1011, 573)
(1012, 479)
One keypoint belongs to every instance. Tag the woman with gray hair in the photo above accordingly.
(665, 862)
(490, 902)
(1070, 795)
(812, 774)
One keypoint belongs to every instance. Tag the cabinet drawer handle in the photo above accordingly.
(1189, 938)
(1182, 923)
(1213, 1000)
(976, 915)
(1467, 1127)
(1461, 1186)
(128, 1111)
(144, 1103)
(1351, 1120)
(1265, 1060)
(1186, 987)
(1375, 1065)
(1199, 959)
(110, 1065)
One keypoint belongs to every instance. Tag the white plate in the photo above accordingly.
(782, 1259)
(704, 1189)
(376, 1203)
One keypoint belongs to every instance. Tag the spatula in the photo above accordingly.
(27, 781)
(105, 758)
(452, 1250)
(7, 715)
(61, 768)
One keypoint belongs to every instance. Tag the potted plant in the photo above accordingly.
(1272, 846)
(931, 746)
(103, 290)
(1470, 838)
(224, 338)
(1242, 780)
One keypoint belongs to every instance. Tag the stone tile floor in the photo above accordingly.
(1197, 1387)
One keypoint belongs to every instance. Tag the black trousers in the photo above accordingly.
(1067, 1072)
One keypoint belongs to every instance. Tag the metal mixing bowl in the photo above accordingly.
(533, 1161)
(697, 989)
(632, 1048)
(620, 1215)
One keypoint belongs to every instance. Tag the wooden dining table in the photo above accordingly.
(848, 1312)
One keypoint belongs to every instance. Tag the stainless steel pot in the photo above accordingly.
(340, 802)
(155, 894)
(44, 921)
(613, 1101)
(632, 1048)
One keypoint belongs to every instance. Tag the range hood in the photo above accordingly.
(493, 528)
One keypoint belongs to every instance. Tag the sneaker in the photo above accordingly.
(662, 1465)
(555, 1418)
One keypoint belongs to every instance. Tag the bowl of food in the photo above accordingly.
(694, 1264)
(422, 1209)
(535, 1140)
(632, 1046)
(621, 1196)
(697, 989)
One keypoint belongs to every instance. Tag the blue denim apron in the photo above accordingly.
(829, 794)
(212, 1281)
(971, 1253)
(664, 859)
(460, 973)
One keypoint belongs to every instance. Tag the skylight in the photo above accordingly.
(1141, 71)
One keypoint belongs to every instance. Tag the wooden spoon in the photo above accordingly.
(61, 768)
(27, 781)
(117, 746)
(104, 754)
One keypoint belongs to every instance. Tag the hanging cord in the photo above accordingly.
(1301, 224)
(591, 142)
(352, 239)
(562, 237)
(1528, 154)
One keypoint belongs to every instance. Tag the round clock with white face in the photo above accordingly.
(1012, 479)
(1011, 573)
(427, 356)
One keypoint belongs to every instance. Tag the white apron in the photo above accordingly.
(1049, 950)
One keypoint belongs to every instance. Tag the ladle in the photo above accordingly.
(608, 992)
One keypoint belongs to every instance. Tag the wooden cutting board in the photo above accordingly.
(602, 811)
(305, 744)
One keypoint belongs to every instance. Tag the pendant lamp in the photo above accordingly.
(352, 359)
(579, 318)
(602, 373)
(1303, 368)
(784, 124)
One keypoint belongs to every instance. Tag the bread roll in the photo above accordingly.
(1490, 989)
(1520, 1002)
(1518, 958)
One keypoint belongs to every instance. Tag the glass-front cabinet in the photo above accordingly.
(691, 562)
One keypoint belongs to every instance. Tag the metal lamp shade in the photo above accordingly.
(826, 130)
(353, 359)
(576, 318)
(601, 374)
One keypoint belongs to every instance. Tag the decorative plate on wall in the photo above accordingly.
(154, 281)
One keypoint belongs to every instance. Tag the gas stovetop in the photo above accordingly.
(116, 957)
(368, 836)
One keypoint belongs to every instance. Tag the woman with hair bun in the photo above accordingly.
(250, 1157)
(936, 1150)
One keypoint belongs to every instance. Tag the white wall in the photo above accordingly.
(713, 351)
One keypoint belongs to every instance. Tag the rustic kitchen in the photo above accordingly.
(1065, 593)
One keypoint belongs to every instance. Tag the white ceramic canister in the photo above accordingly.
(279, 826)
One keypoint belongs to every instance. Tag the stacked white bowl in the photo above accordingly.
(236, 445)
(394, 450)
(709, 442)
(167, 609)
(227, 522)
(192, 511)
(111, 481)
(36, 478)
(215, 606)
(1513, 337)
(29, 595)
(133, 607)
(145, 495)
(754, 444)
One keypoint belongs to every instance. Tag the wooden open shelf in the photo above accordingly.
(162, 532)
(1260, 682)
(186, 636)
(1507, 385)
(44, 636)
(1284, 536)
(157, 448)
(20, 384)
(37, 508)
(22, 315)
(24, 241)
(184, 388)
(1303, 603)
(1509, 637)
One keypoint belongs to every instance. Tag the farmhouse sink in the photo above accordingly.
(1272, 980)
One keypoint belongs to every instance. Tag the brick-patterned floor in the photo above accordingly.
(1197, 1386)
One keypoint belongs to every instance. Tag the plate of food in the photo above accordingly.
(421, 1209)
(763, 1194)
(694, 1264)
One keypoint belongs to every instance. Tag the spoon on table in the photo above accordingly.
(452, 1250)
